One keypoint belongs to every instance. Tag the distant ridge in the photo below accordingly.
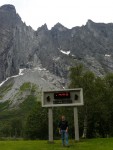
(22, 47)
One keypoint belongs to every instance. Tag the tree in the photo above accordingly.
(75, 76)
(79, 78)
(95, 115)
(16, 127)
(36, 126)
(109, 100)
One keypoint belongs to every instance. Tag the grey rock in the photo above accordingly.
(22, 47)
(16, 42)
(47, 55)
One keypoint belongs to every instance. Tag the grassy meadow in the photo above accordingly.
(92, 144)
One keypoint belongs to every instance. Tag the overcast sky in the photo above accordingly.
(70, 13)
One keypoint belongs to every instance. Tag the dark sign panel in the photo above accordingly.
(62, 95)
(62, 98)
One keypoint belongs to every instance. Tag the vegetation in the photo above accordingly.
(36, 124)
(12, 121)
(30, 120)
(93, 144)
(96, 115)
(25, 86)
(5, 89)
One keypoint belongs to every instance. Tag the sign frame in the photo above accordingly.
(79, 91)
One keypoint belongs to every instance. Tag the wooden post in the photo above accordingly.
(76, 124)
(50, 124)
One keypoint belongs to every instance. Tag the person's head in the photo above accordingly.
(62, 117)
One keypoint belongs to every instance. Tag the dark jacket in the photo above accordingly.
(63, 125)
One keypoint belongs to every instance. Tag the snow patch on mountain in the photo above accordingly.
(107, 55)
(20, 74)
(64, 52)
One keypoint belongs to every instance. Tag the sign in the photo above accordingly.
(67, 97)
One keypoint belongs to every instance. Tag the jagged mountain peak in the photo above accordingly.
(90, 21)
(47, 55)
(59, 27)
(22, 47)
(43, 27)
(8, 7)
(8, 16)
(98, 24)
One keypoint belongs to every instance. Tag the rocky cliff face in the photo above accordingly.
(90, 44)
(16, 42)
(56, 49)
(43, 57)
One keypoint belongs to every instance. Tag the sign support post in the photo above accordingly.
(76, 124)
(62, 98)
(50, 124)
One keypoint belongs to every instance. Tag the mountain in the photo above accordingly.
(22, 47)
(43, 57)
(16, 42)
(33, 61)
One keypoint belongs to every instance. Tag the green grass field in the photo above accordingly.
(93, 144)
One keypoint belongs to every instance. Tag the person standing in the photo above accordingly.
(63, 130)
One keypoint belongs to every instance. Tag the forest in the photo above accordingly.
(95, 117)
